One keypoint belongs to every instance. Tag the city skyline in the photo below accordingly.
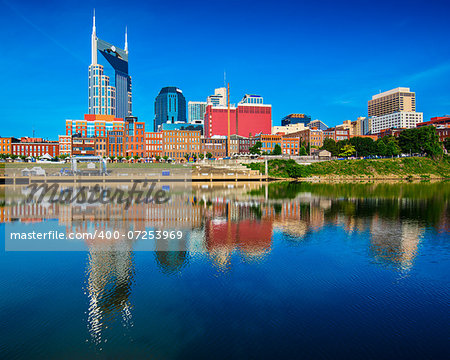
(305, 84)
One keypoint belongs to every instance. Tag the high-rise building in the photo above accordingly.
(389, 102)
(196, 112)
(219, 98)
(296, 119)
(170, 107)
(395, 108)
(104, 98)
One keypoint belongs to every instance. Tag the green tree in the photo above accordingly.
(303, 151)
(201, 156)
(135, 157)
(381, 148)
(256, 149)
(276, 150)
(423, 140)
(165, 157)
(364, 146)
(392, 147)
(447, 144)
(209, 155)
(347, 150)
(331, 146)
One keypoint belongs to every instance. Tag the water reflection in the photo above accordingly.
(221, 221)
(110, 272)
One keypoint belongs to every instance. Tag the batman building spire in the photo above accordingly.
(106, 98)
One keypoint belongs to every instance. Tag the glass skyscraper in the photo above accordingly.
(104, 98)
(170, 107)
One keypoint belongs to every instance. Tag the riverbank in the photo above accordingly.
(365, 169)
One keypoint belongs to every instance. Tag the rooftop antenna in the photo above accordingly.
(126, 40)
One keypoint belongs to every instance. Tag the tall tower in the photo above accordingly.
(104, 98)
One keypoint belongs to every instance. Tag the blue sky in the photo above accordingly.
(323, 58)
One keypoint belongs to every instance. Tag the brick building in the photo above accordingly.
(114, 143)
(178, 143)
(5, 144)
(65, 144)
(154, 144)
(216, 145)
(134, 137)
(36, 148)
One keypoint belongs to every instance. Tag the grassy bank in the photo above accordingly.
(416, 167)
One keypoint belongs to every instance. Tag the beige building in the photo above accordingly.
(288, 129)
(392, 101)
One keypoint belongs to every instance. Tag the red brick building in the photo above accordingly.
(134, 137)
(154, 144)
(442, 125)
(337, 134)
(35, 149)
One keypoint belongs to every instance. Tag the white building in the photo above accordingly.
(401, 119)
(219, 98)
(196, 112)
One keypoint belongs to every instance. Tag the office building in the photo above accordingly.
(406, 120)
(196, 112)
(104, 98)
(296, 119)
(219, 98)
(170, 107)
(392, 101)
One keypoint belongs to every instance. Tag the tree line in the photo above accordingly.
(417, 141)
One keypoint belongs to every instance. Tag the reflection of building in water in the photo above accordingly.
(171, 261)
(29, 212)
(248, 234)
(395, 242)
(110, 272)
(296, 218)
